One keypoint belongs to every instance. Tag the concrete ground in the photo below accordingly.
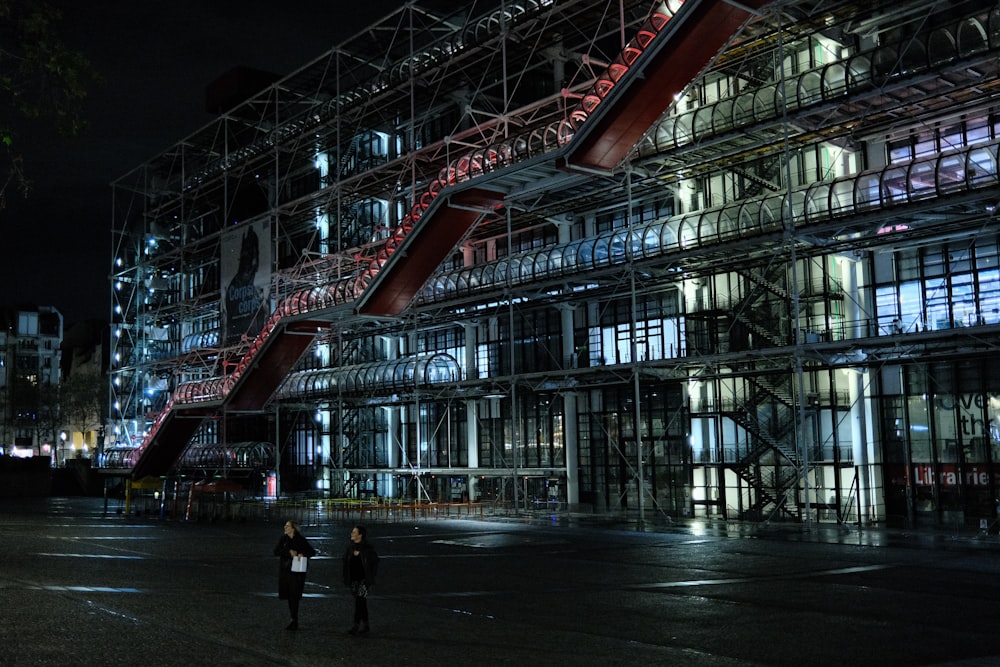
(80, 586)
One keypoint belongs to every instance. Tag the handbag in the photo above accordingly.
(299, 563)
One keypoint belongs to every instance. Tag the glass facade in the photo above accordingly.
(780, 301)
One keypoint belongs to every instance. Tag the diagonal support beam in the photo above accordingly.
(428, 244)
(687, 44)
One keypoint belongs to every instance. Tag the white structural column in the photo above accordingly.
(395, 454)
(571, 439)
(471, 413)
(571, 431)
(862, 438)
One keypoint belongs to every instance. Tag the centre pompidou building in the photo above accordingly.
(729, 260)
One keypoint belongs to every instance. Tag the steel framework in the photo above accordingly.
(594, 254)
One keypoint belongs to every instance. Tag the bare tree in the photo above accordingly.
(40, 79)
(81, 398)
(47, 413)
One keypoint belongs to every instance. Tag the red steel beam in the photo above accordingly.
(271, 365)
(423, 250)
(169, 441)
(705, 29)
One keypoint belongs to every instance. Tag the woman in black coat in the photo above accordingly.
(292, 584)
(360, 568)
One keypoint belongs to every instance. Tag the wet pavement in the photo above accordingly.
(79, 586)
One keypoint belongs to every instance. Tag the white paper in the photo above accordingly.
(299, 563)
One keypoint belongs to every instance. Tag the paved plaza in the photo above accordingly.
(82, 586)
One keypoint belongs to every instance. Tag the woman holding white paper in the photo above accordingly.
(294, 552)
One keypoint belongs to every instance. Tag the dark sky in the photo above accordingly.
(156, 58)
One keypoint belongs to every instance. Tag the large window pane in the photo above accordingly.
(963, 301)
(938, 310)
(989, 296)
(910, 306)
(886, 307)
(920, 436)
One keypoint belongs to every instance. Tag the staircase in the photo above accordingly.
(620, 107)
(770, 465)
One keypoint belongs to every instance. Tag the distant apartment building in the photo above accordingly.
(30, 356)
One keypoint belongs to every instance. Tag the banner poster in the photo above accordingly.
(245, 269)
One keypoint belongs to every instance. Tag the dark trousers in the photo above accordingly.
(360, 610)
(294, 586)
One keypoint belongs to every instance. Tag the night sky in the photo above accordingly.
(156, 59)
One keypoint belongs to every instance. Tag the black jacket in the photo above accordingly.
(299, 543)
(369, 560)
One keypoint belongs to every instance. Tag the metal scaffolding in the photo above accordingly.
(488, 268)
